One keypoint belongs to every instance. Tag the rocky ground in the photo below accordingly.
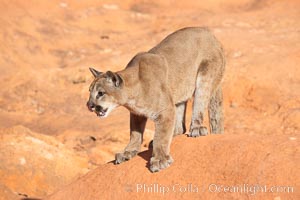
(48, 138)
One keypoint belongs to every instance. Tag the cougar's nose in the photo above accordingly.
(90, 106)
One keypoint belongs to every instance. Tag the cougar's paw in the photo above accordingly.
(196, 132)
(126, 155)
(157, 164)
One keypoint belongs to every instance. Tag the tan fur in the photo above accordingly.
(156, 85)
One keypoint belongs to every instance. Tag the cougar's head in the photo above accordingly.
(105, 92)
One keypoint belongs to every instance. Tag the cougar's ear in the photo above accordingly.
(114, 78)
(95, 72)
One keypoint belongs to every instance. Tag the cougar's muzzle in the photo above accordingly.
(99, 110)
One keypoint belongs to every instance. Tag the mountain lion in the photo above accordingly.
(157, 85)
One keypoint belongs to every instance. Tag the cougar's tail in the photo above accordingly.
(215, 111)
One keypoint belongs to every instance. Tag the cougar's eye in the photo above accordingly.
(100, 94)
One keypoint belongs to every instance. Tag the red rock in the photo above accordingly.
(36, 164)
(228, 160)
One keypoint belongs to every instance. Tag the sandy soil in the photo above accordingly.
(200, 166)
(46, 48)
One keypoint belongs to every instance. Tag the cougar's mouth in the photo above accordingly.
(101, 112)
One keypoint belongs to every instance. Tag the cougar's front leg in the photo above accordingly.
(137, 127)
(164, 129)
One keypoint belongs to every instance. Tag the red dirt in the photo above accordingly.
(46, 48)
(229, 161)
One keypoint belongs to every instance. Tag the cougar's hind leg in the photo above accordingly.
(201, 100)
(180, 119)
